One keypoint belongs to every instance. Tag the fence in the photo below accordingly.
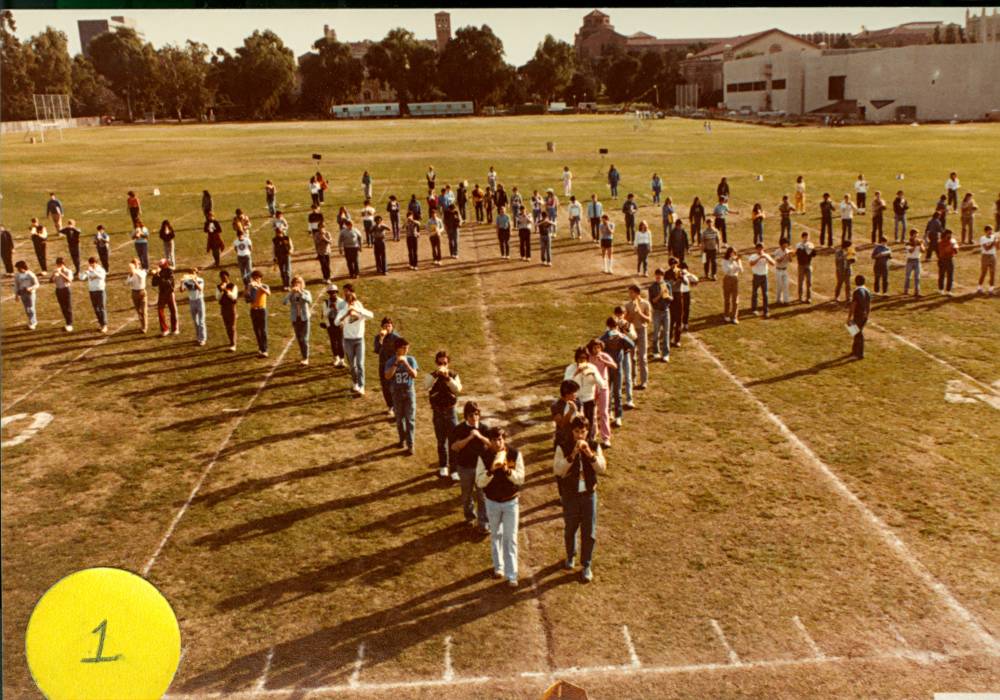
(32, 124)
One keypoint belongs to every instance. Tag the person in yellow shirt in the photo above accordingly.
(257, 294)
(800, 195)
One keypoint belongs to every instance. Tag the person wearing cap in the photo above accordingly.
(468, 443)
(759, 262)
(385, 348)
(576, 464)
(443, 386)
(332, 306)
(163, 281)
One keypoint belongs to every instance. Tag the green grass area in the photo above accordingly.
(311, 534)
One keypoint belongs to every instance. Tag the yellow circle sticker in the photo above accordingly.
(103, 634)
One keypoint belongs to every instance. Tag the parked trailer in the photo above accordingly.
(365, 111)
(439, 109)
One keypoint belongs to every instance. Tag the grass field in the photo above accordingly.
(776, 521)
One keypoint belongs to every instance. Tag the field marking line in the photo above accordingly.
(734, 659)
(879, 526)
(632, 655)
(354, 680)
(262, 681)
(449, 672)
(50, 376)
(215, 458)
(810, 642)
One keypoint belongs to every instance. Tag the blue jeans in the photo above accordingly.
(258, 318)
(473, 502)
(271, 208)
(661, 327)
(503, 523)
(579, 513)
(899, 225)
(453, 242)
(642, 251)
(246, 267)
(614, 189)
(444, 423)
(99, 301)
(545, 243)
(285, 268)
(656, 196)
(28, 299)
(197, 307)
(301, 329)
(553, 215)
(404, 405)
(912, 268)
(759, 283)
(354, 352)
(615, 386)
(142, 252)
(626, 371)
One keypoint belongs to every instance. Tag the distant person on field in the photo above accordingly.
(947, 250)
(847, 210)
(722, 189)
(412, 240)
(431, 178)
(552, 208)
(861, 192)
(39, 241)
(136, 281)
(878, 216)
(228, 297)
(585, 374)
(332, 306)
(443, 386)
(140, 239)
(696, 216)
(567, 180)
(523, 222)
(7, 250)
(270, 197)
(401, 371)
(206, 203)
(167, 236)
(134, 208)
(323, 243)
(805, 251)
(607, 240)
(323, 186)
(576, 464)
(96, 277)
(194, 285)
(595, 210)
(491, 178)
(244, 249)
(368, 221)
(366, 185)
(899, 208)
(881, 254)
(932, 234)
(54, 210)
(350, 245)
(452, 224)
(656, 185)
(759, 263)
(314, 191)
(392, 209)
(500, 474)
(503, 233)
(826, 207)
(26, 289)
(951, 186)
(379, 234)
(352, 319)
(678, 243)
(860, 307)
(732, 266)
(800, 196)
(72, 235)
(968, 218)
(843, 265)
(102, 243)
(643, 245)
(667, 212)
(618, 345)
(257, 295)
(913, 250)
(720, 212)
(614, 177)
(384, 345)
(468, 443)
(782, 257)
(63, 277)
(604, 363)
(545, 234)
(988, 258)
(163, 282)
(630, 209)
(660, 298)
(213, 238)
(434, 228)
(300, 300)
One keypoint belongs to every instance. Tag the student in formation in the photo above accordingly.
(491, 179)
(478, 205)
(206, 203)
(552, 209)
(270, 197)
(968, 218)
(400, 371)
(244, 251)
(467, 444)
(667, 215)
(452, 224)
(7, 250)
(988, 258)
(431, 178)
(283, 248)
(614, 177)
(163, 282)
(26, 289)
(366, 185)
(843, 263)
(913, 250)
(805, 251)
(314, 191)
(567, 180)
(490, 201)
(678, 243)
(167, 235)
(134, 208)
(384, 345)
(414, 207)
(194, 285)
(412, 240)
(659, 299)
(785, 211)
(62, 277)
(688, 280)
(368, 221)
(350, 246)
(710, 250)
(323, 186)
(861, 192)
(847, 210)
(352, 319)
(140, 239)
(72, 235)
(462, 200)
(933, 232)
(759, 262)
(947, 250)
(800, 196)
(604, 363)
(434, 227)
(332, 306)
(656, 185)
(443, 387)
(228, 297)
(564, 410)
(899, 208)
(503, 233)
(722, 189)
(782, 257)
(315, 219)
(54, 210)
(881, 254)
(575, 211)
(299, 300)
(732, 266)
(721, 212)
(257, 294)
(630, 209)
(136, 281)
(878, 216)
(595, 210)
(584, 373)
(607, 240)
(102, 244)
(696, 217)
(643, 244)
(674, 279)
(576, 464)
(379, 233)
(639, 313)
(96, 277)
(757, 217)
(616, 345)
(323, 243)
(951, 186)
(500, 474)
(392, 209)
(545, 228)
(826, 207)
(39, 241)
(858, 312)
(523, 223)
(213, 238)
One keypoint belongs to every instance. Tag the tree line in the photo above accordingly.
(127, 77)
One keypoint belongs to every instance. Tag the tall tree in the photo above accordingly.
(182, 79)
(620, 82)
(551, 68)
(91, 95)
(472, 66)
(405, 64)
(51, 66)
(583, 87)
(330, 76)
(257, 80)
(16, 86)
(645, 82)
(129, 66)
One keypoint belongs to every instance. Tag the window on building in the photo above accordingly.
(778, 84)
(732, 87)
(760, 85)
(835, 87)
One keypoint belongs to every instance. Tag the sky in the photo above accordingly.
(521, 30)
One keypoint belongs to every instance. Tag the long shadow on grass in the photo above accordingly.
(805, 372)
(271, 524)
(328, 655)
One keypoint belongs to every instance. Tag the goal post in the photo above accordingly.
(52, 111)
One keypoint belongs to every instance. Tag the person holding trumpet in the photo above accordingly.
(576, 464)
(500, 474)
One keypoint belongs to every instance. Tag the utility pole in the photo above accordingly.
(657, 88)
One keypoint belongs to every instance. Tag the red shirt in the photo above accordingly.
(946, 249)
(133, 202)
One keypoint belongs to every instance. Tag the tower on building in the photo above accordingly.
(442, 27)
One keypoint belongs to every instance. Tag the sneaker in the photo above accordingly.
(69, 329)
(232, 348)
(443, 472)
(587, 576)
(727, 319)
(512, 583)
(497, 574)
(455, 477)
(736, 321)
(629, 406)
(361, 391)
(755, 313)
(390, 413)
(655, 357)
(617, 422)
(164, 334)
(32, 326)
(201, 342)
(666, 358)
(104, 329)
(264, 354)
(606, 445)
(177, 332)
(639, 387)
(304, 362)
(357, 390)
(570, 564)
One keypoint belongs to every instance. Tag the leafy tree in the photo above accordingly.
(950, 35)
(551, 68)
(329, 77)
(128, 65)
(49, 68)
(472, 66)
(647, 78)
(91, 94)
(257, 80)
(937, 35)
(620, 83)
(583, 87)
(183, 72)
(404, 64)
(16, 86)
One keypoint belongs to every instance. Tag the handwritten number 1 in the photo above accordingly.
(101, 629)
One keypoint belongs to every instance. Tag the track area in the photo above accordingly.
(776, 521)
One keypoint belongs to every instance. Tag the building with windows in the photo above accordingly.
(982, 28)
(909, 34)
(597, 35)
(925, 82)
(89, 28)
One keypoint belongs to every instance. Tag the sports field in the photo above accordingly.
(777, 521)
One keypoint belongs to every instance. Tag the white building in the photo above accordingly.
(932, 82)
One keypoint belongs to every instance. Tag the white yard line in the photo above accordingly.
(449, 671)
(734, 658)
(632, 655)
(810, 642)
(355, 680)
(877, 525)
(262, 681)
